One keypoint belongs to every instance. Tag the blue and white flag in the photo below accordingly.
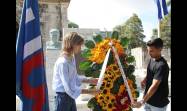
(162, 8)
(31, 84)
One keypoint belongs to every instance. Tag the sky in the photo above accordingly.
(106, 14)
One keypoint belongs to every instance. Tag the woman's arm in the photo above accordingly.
(90, 80)
(90, 91)
(83, 79)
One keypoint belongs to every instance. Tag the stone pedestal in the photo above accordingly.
(51, 57)
(138, 54)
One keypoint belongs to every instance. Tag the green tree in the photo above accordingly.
(168, 3)
(72, 25)
(118, 28)
(133, 30)
(165, 28)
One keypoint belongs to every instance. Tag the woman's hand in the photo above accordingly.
(94, 91)
(91, 81)
(90, 91)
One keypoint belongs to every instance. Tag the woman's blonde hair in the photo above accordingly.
(71, 39)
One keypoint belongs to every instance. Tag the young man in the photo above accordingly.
(156, 80)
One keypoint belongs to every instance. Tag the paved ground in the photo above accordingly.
(142, 109)
(139, 73)
(82, 105)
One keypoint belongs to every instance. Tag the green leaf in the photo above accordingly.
(132, 77)
(116, 86)
(124, 42)
(89, 44)
(137, 94)
(95, 75)
(120, 80)
(85, 65)
(97, 107)
(88, 72)
(86, 53)
(96, 66)
(115, 89)
(97, 38)
(110, 59)
(134, 85)
(130, 59)
(91, 103)
(130, 109)
(130, 69)
(115, 35)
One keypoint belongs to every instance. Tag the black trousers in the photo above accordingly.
(64, 102)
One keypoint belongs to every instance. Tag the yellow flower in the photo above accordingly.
(109, 101)
(133, 90)
(109, 85)
(114, 70)
(100, 98)
(105, 98)
(105, 91)
(112, 98)
(110, 75)
(99, 51)
(110, 107)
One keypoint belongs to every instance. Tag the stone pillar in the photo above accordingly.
(64, 17)
(53, 16)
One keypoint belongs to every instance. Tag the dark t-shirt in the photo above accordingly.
(159, 70)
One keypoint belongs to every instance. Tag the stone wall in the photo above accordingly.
(53, 15)
(142, 57)
(138, 54)
(86, 33)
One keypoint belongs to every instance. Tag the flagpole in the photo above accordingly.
(162, 11)
(159, 28)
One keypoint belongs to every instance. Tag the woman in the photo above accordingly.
(66, 82)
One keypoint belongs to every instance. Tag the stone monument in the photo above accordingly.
(54, 39)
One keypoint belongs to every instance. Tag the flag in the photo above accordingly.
(162, 8)
(31, 84)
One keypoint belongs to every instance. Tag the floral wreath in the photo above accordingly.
(113, 95)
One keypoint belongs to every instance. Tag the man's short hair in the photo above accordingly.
(157, 43)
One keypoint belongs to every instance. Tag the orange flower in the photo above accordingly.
(98, 53)
(121, 89)
(105, 99)
(133, 90)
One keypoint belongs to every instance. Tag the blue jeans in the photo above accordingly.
(149, 107)
(64, 102)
